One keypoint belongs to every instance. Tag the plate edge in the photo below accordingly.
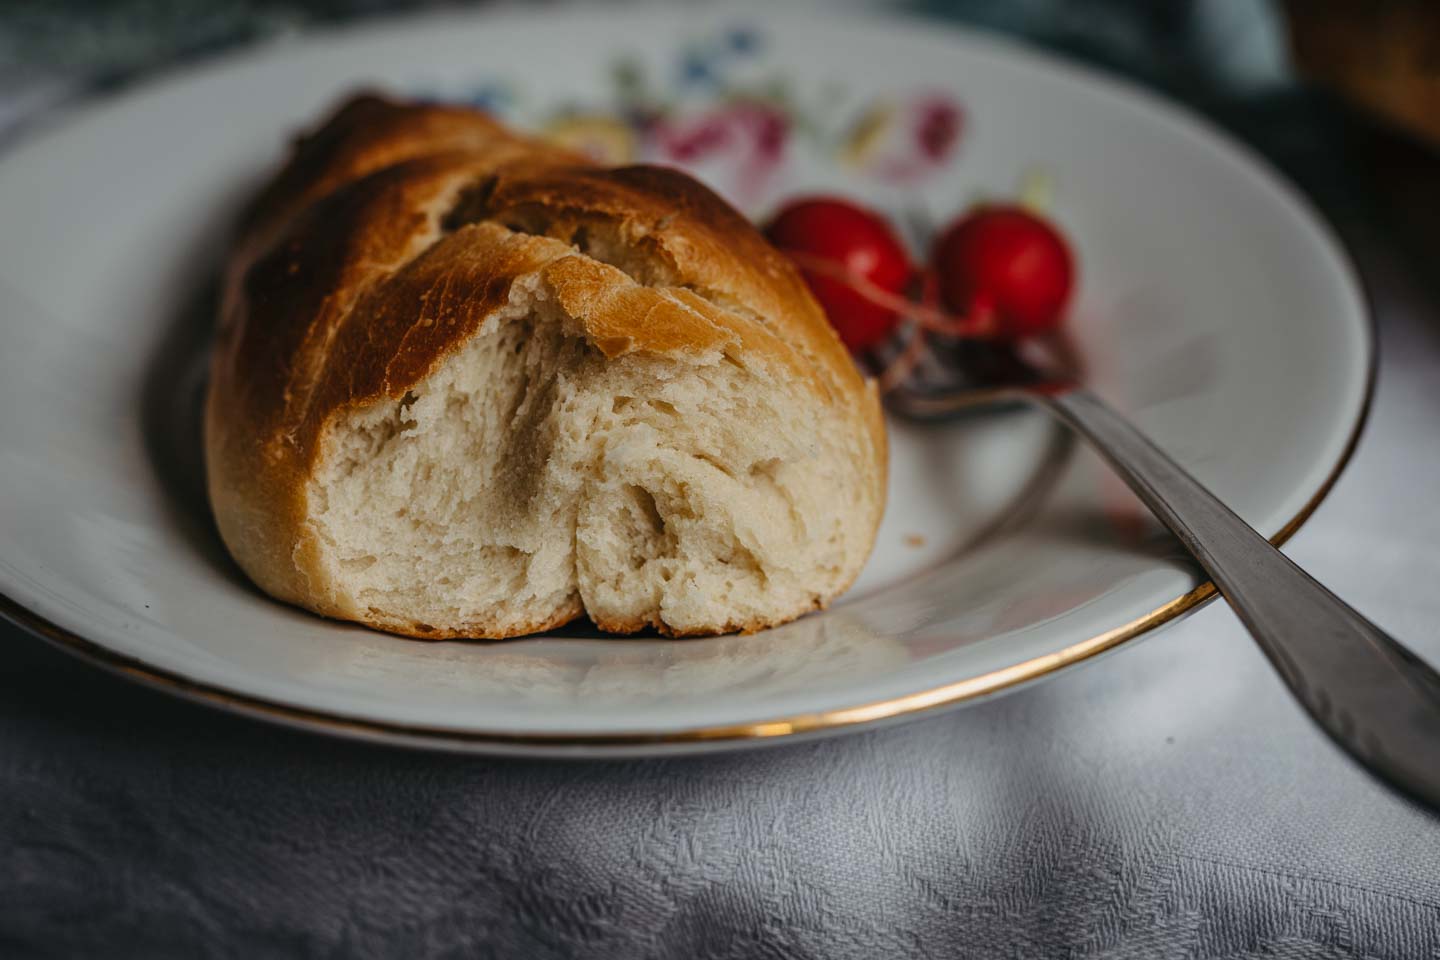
(909, 706)
(906, 706)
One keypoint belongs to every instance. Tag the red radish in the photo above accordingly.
(1007, 265)
(853, 242)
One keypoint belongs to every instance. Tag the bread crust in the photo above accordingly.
(386, 241)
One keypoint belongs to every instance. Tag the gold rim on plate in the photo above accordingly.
(908, 705)
(946, 695)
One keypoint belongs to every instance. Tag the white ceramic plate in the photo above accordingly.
(1214, 308)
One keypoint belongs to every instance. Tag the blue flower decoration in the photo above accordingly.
(743, 40)
(696, 70)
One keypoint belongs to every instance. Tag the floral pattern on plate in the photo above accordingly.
(723, 113)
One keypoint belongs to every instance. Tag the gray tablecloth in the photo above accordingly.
(1169, 800)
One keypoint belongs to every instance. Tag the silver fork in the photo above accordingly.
(1374, 697)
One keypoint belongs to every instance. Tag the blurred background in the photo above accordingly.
(1343, 95)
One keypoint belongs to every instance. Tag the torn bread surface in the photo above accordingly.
(531, 479)
(467, 385)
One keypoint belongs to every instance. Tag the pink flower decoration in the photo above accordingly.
(937, 128)
(747, 136)
(903, 143)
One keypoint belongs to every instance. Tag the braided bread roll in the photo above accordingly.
(469, 385)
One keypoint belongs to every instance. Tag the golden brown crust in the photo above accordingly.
(394, 231)
(369, 133)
